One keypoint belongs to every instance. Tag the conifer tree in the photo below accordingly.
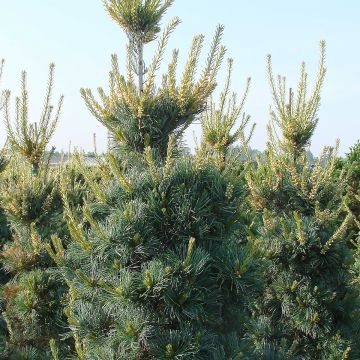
(140, 114)
(156, 269)
(33, 296)
(308, 308)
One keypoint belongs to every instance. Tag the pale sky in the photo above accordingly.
(79, 37)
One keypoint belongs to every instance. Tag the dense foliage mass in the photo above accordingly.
(32, 297)
(153, 252)
(156, 267)
(308, 309)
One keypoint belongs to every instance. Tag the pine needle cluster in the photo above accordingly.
(30, 139)
(145, 113)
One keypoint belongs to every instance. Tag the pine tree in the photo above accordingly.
(308, 308)
(29, 191)
(159, 267)
(139, 114)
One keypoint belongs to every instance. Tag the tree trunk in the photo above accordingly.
(141, 66)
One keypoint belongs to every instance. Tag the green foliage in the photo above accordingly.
(160, 265)
(32, 295)
(296, 118)
(160, 269)
(33, 309)
(351, 167)
(30, 139)
(145, 115)
(138, 18)
(153, 253)
(309, 309)
(218, 122)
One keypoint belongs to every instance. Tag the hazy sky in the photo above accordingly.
(79, 37)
